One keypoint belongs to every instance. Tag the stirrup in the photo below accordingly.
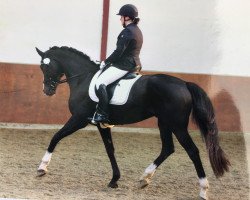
(99, 118)
(92, 120)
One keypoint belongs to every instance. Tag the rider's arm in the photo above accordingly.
(123, 41)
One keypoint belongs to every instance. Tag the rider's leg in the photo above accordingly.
(107, 77)
(102, 111)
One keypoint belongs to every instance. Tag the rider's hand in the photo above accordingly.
(102, 65)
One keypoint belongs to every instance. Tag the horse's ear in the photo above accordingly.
(39, 52)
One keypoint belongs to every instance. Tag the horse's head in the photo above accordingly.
(52, 71)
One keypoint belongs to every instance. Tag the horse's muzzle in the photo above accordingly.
(49, 91)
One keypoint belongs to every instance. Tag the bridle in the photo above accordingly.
(69, 78)
(54, 83)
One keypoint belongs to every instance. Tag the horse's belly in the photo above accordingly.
(128, 115)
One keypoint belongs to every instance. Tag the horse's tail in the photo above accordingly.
(203, 116)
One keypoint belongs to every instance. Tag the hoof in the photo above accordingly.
(143, 183)
(204, 185)
(203, 195)
(113, 185)
(41, 172)
(145, 179)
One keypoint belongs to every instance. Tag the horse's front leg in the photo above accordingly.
(107, 139)
(74, 123)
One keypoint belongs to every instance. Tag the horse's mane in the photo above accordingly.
(75, 51)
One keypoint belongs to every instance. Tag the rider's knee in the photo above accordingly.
(100, 84)
(103, 86)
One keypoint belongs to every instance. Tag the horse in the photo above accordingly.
(170, 99)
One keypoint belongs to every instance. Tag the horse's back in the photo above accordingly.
(167, 86)
(152, 95)
(171, 99)
(166, 94)
(164, 79)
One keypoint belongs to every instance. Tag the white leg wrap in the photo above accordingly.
(150, 169)
(45, 161)
(145, 179)
(47, 157)
(43, 167)
(149, 172)
(204, 185)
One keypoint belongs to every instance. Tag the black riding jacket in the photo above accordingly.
(128, 47)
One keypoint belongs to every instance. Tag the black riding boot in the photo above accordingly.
(102, 111)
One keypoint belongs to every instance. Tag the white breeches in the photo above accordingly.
(109, 76)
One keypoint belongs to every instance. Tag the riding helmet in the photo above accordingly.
(128, 10)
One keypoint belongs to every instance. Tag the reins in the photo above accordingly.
(67, 79)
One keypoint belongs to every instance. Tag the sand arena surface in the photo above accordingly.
(80, 168)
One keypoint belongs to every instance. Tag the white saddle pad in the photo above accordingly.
(121, 92)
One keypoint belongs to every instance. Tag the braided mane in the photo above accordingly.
(75, 51)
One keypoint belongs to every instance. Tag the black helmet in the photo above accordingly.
(128, 10)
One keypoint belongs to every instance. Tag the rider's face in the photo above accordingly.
(122, 20)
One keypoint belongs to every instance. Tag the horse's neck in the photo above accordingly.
(78, 67)
(79, 88)
(79, 76)
(79, 72)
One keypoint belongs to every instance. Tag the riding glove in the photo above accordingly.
(102, 65)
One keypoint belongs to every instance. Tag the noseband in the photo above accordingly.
(54, 83)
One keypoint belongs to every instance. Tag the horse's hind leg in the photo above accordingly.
(108, 143)
(73, 124)
(167, 150)
(187, 143)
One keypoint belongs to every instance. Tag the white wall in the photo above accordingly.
(190, 36)
(234, 37)
(26, 24)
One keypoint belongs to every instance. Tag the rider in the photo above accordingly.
(124, 59)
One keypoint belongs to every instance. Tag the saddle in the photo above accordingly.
(117, 91)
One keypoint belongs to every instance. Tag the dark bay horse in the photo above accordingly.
(169, 99)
